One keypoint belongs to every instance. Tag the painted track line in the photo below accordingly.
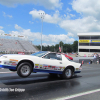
(7, 72)
(78, 95)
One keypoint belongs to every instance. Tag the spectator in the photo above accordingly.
(97, 57)
(84, 55)
(94, 58)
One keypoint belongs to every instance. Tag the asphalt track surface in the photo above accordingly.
(40, 86)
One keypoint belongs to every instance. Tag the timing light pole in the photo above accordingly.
(42, 17)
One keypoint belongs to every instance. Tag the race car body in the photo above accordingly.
(42, 61)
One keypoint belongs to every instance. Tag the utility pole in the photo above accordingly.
(42, 17)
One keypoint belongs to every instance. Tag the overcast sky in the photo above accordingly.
(63, 19)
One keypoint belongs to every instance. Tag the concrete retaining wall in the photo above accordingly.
(85, 59)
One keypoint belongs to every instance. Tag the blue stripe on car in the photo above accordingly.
(51, 71)
(77, 71)
(47, 71)
(8, 67)
(37, 70)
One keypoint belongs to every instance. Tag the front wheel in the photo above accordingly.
(67, 73)
(24, 69)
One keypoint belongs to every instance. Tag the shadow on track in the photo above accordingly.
(15, 80)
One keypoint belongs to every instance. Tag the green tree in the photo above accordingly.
(69, 48)
(75, 46)
(57, 48)
(65, 46)
(61, 43)
(39, 47)
(52, 48)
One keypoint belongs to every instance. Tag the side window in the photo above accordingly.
(47, 56)
(50, 56)
(53, 56)
(59, 57)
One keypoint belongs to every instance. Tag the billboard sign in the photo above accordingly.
(84, 41)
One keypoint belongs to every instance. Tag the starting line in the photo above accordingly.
(78, 95)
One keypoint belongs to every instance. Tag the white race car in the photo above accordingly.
(42, 61)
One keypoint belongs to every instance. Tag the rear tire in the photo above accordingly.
(67, 73)
(24, 69)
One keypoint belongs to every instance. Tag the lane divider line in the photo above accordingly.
(7, 72)
(78, 95)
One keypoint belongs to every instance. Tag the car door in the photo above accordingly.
(52, 61)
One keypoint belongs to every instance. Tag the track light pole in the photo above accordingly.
(42, 17)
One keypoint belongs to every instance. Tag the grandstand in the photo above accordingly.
(16, 46)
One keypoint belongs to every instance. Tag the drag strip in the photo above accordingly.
(41, 86)
(7, 72)
(80, 94)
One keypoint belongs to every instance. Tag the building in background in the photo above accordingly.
(88, 43)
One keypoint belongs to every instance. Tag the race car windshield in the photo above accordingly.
(39, 54)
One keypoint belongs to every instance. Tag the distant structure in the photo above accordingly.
(88, 43)
(11, 46)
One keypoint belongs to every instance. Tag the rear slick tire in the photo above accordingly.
(67, 73)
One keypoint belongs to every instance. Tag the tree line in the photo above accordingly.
(66, 48)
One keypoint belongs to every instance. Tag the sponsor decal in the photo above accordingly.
(56, 68)
(14, 64)
(89, 41)
(10, 63)
(77, 68)
(60, 67)
(45, 66)
(40, 66)
(95, 41)
(36, 65)
(53, 66)
(49, 67)
(84, 41)
(14, 60)
(63, 67)
(6, 63)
